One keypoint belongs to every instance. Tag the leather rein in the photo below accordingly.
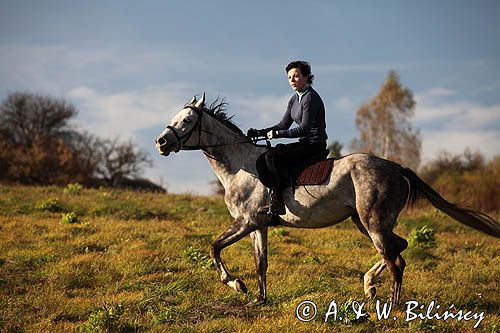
(199, 112)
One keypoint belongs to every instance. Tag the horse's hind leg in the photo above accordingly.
(400, 263)
(370, 277)
(237, 231)
(390, 246)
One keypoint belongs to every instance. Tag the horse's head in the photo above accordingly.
(184, 128)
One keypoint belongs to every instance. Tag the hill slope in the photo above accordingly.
(139, 262)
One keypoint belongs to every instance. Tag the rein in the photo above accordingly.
(181, 146)
(222, 144)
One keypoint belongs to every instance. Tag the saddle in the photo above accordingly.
(314, 171)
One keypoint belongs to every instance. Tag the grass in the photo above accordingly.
(139, 262)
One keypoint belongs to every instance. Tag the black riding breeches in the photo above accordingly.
(283, 157)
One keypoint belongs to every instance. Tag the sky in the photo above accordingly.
(130, 66)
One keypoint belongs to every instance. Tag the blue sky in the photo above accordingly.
(129, 66)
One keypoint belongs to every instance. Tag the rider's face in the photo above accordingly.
(296, 79)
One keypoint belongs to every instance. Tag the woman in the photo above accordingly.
(307, 110)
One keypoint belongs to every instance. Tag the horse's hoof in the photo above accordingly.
(370, 293)
(258, 301)
(238, 285)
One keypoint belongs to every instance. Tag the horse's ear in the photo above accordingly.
(201, 102)
(193, 100)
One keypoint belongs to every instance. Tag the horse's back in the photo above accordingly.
(352, 176)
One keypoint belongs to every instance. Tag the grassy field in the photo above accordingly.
(102, 260)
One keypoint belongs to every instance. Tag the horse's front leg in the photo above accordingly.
(239, 229)
(259, 242)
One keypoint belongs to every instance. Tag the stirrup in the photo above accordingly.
(269, 212)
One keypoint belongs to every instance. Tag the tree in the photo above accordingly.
(335, 149)
(35, 138)
(120, 160)
(39, 146)
(217, 188)
(384, 124)
(28, 119)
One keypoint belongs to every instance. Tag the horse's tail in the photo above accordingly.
(474, 219)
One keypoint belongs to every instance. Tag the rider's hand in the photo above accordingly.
(253, 133)
(271, 134)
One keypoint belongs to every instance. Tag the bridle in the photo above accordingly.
(197, 126)
(180, 144)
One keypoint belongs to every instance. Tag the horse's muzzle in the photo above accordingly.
(164, 149)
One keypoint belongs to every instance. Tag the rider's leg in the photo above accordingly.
(278, 162)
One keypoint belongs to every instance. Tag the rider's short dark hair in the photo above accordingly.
(304, 67)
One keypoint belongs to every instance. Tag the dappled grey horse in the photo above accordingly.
(371, 191)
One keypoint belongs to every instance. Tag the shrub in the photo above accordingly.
(422, 237)
(50, 205)
(75, 188)
(69, 218)
(466, 179)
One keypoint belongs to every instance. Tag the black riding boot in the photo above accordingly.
(277, 203)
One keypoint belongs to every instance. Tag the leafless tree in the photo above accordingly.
(38, 145)
(119, 160)
(27, 119)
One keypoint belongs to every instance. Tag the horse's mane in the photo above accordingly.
(218, 110)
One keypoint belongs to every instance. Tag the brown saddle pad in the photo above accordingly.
(315, 174)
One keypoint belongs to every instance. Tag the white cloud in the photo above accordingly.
(344, 104)
(457, 115)
(433, 94)
(186, 171)
(455, 125)
(360, 67)
(436, 141)
(259, 111)
(125, 113)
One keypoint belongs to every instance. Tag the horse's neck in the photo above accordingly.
(228, 160)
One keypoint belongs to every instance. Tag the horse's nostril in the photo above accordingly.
(161, 141)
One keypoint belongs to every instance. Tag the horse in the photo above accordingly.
(369, 190)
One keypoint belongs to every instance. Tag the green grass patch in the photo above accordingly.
(140, 262)
(198, 257)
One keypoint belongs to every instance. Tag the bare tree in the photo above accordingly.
(217, 188)
(120, 160)
(35, 137)
(384, 124)
(39, 146)
(28, 119)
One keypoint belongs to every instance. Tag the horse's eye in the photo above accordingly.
(186, 120)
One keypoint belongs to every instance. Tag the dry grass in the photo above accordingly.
(137, 262)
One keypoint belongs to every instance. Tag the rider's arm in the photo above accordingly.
(309, 112)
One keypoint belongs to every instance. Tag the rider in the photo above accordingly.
(308, 111)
